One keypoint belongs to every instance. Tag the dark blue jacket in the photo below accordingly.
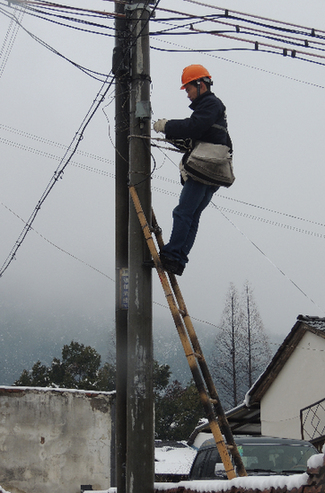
(207, 110)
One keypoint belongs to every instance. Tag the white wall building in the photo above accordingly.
(291, 391)
(288, 399)
(300, 383)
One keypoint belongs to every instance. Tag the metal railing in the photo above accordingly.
(312, 421)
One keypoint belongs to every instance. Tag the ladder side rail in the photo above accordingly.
(223, 422)
(191, 358)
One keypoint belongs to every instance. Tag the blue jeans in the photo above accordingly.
(194, 198)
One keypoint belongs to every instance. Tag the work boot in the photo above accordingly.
(171, 265)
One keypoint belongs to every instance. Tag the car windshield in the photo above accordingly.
(276, 457)
(260, 457)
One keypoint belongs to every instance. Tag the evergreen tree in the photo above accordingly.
(177, 411)
(78, 369)
(161, 376)
(106, 380)
(37, 377)
(177, 408)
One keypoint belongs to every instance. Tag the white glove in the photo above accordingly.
(159, 126)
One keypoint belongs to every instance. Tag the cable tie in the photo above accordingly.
(293, 54)
(237, 29)
(256, 46)
(285, 52)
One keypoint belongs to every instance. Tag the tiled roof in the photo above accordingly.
(314, 322)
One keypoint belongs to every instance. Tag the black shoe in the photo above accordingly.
(171, 265)
(149, 263)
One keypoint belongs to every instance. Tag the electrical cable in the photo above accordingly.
(257, 45)
(58, 247)
(257, 218)
(206, 322)
(34, 13)
(227, 12)
(170, 180)
(9, 41)
(24, 134)
(280, 34)
(183, 48)
(48, 155)
(267, 258)
(78, 141)
(67, 8)
(88, 72)
(67, 156)
(284, 51)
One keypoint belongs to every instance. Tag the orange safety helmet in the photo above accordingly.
(194, 72)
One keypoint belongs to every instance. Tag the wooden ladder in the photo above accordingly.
(193, 352)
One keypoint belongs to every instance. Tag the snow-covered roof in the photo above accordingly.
(173, 457)
(314, 322)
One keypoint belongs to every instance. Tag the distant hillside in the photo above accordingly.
(26, 338)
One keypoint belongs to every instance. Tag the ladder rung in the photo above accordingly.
(193, 353)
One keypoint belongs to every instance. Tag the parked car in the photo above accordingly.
(260, 456)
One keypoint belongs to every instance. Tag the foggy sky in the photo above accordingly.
(65, 269)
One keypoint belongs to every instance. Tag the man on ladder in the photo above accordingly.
(207, 123)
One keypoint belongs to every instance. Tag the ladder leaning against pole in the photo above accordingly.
(198, 366)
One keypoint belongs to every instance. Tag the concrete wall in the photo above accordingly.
(54, 440)
(299, 384)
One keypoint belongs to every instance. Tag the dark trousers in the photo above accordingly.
(194, 198)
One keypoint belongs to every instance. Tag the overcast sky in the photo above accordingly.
(268, 228)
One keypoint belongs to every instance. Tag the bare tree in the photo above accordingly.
(257, 342)
(229, 364)
(242, 347)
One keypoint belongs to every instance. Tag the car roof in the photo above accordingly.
(257, 440)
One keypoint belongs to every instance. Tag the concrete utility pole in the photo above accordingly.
(140, 426)
(121, 72)
(134, 348)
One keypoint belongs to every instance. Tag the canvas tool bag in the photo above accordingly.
(211, 164)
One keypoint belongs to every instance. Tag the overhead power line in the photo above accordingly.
(285, 49)
(281, 271)
(260, 34)
(72, 149)
(57, 246)
(42, 140)
(229, 12)
(9, 41)
(92, 73)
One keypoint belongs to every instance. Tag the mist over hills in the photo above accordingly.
(27, 336)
